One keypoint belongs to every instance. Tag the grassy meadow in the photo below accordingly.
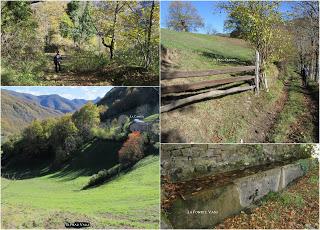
(129, 201)
(200, 51)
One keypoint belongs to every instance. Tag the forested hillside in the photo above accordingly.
(99, 42)
(130, 101)
(17, 113)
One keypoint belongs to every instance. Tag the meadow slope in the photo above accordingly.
(49, 201)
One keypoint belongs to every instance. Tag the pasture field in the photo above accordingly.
(49, 201)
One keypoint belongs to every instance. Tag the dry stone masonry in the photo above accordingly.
(186, 161)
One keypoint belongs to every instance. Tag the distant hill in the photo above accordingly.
(130, 101)
(18, 112)
(53, 101)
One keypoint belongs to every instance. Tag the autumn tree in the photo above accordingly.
(183, 16)
(48, 15)
(86, 119)
(133, 149)
(76, 22)
(105, 20)
(142, 28)
(65, 138)
(20, 45)
(262, 25)
(305, 28)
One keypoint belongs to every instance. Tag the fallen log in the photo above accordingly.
(184, 74)
(202, 85)
(211, 94)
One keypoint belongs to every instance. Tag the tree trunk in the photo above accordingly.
(113, 30)
(317, 65)
(148, 55)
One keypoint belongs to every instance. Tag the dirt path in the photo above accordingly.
(310, 115)
(264, 126)
(264, 123)
(119, 76)
(73, 79)
(111, 74)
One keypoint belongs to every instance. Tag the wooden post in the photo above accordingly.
(265, 81)
(256, 81)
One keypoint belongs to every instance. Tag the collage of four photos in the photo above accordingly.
(159, 114)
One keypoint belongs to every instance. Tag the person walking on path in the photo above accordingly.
(304, 76)
(57, 61)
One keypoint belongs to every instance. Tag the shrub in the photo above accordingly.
(115, 130)
(103, 175)
(133, 149)
(86, 62)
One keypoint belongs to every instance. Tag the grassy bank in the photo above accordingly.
(234, 118)
(130, 201)
(201, 51)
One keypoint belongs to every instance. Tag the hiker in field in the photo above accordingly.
(57, 61)
(305, 73)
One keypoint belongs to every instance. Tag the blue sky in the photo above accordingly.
(209, 11)
(70, 92)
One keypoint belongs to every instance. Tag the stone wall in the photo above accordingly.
(186, 161)
(212, 205)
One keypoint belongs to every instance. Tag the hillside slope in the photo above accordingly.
(190, 51)
(233, 118)
(130, 101)
(17, 113)
(130, 201)
(52, 101)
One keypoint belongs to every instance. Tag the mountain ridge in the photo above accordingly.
(53, 101)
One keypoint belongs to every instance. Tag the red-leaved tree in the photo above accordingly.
(133, 149)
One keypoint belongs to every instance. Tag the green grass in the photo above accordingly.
(129, 201)
(286, 198)
(295, 116)
(151, 118)
(200, 51)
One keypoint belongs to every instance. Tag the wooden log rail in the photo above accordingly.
(211, 94)
(184, 74)
(206, 84)
(202, 85)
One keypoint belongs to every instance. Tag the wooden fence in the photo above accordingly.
(180, 88)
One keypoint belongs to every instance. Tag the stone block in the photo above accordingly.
(290, 173)
(206, 208)
(254, 187)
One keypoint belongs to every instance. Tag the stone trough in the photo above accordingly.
(212, 205)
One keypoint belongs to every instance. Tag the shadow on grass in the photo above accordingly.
(225, 59)
(171, 136)
(90, 159)
(26, 169)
